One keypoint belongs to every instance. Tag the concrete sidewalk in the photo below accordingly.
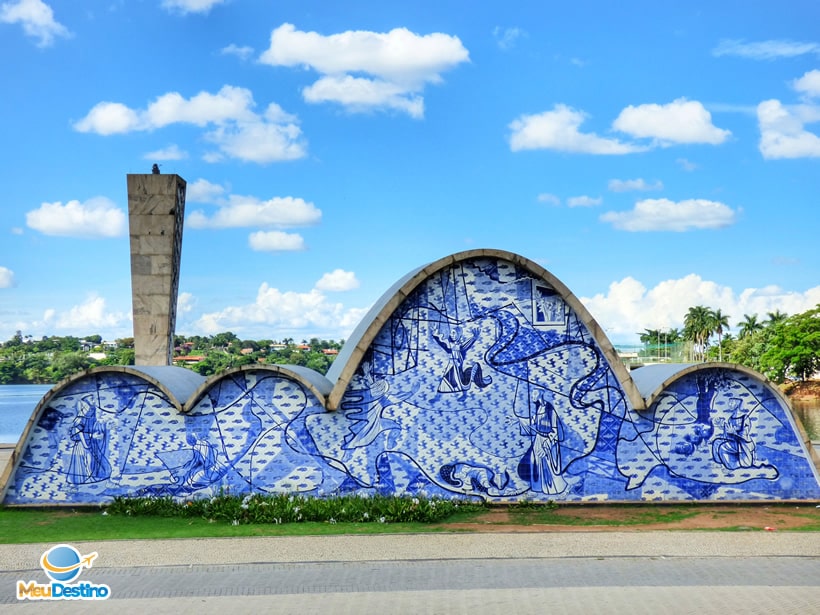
(656, 573)
(396, 547)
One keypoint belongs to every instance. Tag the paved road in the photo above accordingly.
(576, 572)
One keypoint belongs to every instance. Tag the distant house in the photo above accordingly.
(330, 351)
(189, 359)
(246, 351)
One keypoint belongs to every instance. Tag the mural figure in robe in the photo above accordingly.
(369, 422)
(88, 462)
(541, 464)
(457, 378)
(734, 448)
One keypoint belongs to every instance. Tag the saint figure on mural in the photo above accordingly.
(734, 447)
(458, 378)
(541, 465)
(88, 462)
(204, 468)
(369, 421)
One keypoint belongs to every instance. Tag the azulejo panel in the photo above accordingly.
(486, 381)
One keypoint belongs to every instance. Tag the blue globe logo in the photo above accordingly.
(62, 563)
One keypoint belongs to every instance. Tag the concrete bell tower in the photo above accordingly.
(156, 209)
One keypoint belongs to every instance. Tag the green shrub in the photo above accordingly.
(283, 508)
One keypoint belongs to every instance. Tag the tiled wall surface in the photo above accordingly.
(483, 383)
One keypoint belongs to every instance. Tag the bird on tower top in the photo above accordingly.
(155, 169)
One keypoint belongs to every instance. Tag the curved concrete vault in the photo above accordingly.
(477, 376)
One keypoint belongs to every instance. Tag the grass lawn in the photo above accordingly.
(25, 525)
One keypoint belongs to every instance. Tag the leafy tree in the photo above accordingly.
(10, 373)
(16, 340)
(67, 364)
(223, 340)
(69, 344)
(794, 348)
(318, 362)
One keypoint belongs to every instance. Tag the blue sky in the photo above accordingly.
(651, 155)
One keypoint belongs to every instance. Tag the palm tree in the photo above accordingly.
(698, 327)
(719, 323)
(749, 325)
(775, 317)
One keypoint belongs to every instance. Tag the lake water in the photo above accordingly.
(17, 402)
(809, 413)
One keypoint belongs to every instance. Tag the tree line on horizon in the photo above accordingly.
(781, 347)
(24, 360)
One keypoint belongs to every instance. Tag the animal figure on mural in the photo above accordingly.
(734, 448)
(88, 462)
(457, 378)
(541, 465)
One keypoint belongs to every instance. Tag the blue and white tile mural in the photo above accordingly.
(485, 382)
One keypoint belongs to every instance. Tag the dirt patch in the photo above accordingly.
(810, 389)
(643, 518)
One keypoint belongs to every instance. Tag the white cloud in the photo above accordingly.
(288, 312)
(782, 132)
(203, 191)
(628, 185)
(96, 218)
(628, 308)
(686, 165)
(109, 118)
(37, 20)
(551, 199)
(243, 53)
(558, 130)
(666, 215)
(808, 84)
(338, 280)
(584, 201)
(172, 152)
(236, 129)
(681, 121)
(90, 316)
(185, 303)
(507, 37)
(367, 70)
(243, 211)
(359, 94)
(6, 277)
(260, 141)
(275, 241)
(764, 50)
(190, 6)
